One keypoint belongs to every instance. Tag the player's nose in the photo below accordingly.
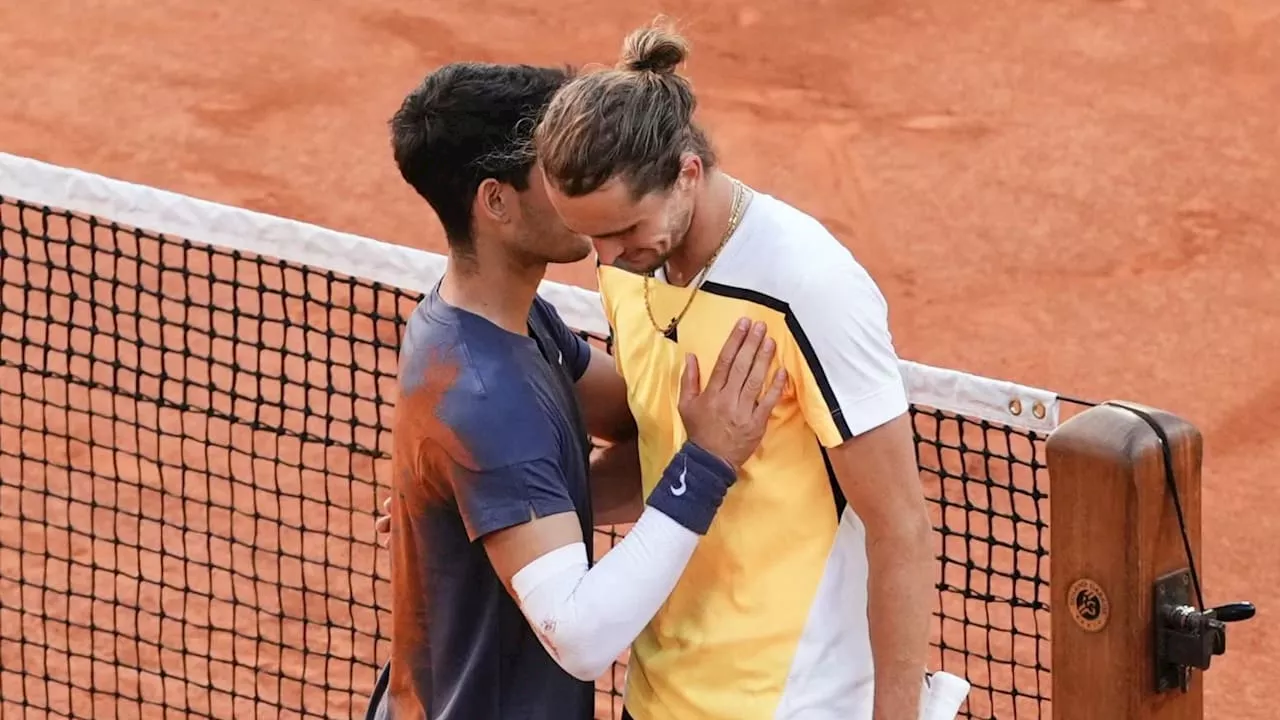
(607, 250)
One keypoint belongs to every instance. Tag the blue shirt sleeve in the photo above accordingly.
(498, 498)
(576, 350)
(481, 425)
(512, 470)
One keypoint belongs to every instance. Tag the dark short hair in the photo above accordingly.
(633, 121)
(467, 122)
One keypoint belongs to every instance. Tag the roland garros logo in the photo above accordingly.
(1088, 603)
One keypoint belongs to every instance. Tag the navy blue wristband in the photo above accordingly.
(692, 488)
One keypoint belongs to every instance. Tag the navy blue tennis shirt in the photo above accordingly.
(488, 434)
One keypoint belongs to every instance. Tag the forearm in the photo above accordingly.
(616, 496)
(586, 618)
(899, 603)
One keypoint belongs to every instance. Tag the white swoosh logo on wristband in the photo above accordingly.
(680, 489)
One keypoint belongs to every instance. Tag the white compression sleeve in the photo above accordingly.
(586, 618)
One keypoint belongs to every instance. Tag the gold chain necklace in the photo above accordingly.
(735, 217)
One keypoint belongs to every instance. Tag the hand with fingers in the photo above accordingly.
(727, 418)
(724, 423)
(382, 527)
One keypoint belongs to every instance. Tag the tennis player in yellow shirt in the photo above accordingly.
(818, 568)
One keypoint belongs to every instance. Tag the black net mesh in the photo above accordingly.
(191, 441)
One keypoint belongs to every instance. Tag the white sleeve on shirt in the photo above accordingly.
(852, 381)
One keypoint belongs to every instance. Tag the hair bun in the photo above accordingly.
(653, 49)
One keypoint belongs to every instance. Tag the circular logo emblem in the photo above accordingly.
(1088, 604)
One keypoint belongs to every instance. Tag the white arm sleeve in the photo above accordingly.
(586, 618)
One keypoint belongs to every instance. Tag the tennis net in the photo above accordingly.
(195, 430)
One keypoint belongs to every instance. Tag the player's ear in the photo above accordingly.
(494, 201)
(690, 170)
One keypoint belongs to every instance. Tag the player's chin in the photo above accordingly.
(641, 263)
(573, 252)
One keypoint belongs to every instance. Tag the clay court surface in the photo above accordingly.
(1072, 194)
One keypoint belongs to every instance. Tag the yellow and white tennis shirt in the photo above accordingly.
(769, 619)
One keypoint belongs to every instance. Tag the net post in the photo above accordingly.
(1115, 533)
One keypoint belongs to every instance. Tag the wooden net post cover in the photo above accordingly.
(1114, 533)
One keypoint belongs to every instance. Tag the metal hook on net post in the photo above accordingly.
(1187, 638)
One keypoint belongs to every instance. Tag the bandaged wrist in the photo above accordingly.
(692, 488)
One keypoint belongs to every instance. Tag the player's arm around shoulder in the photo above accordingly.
(855, 400)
